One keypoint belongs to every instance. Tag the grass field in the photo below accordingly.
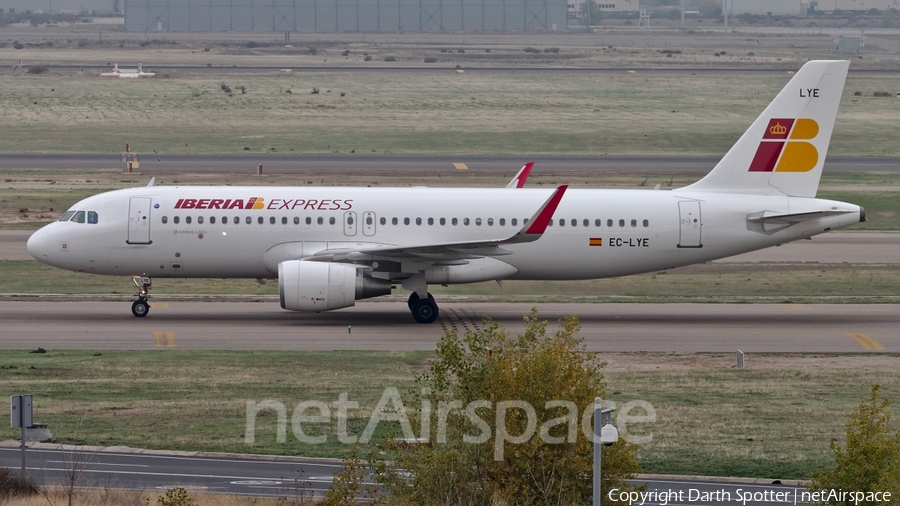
(418, 112)
(711, 418)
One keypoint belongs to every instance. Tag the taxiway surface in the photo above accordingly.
(623, 327)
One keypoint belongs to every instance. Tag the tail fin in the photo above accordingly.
(783, 152)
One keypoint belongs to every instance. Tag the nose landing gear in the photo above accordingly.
(141, 307)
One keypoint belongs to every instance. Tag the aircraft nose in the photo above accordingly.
(38, 245)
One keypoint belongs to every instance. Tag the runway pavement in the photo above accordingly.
(295, 476)
(340, 164)
(625, 327)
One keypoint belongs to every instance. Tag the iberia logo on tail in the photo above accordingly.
(784, 148)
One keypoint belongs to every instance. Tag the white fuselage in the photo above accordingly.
(190, 232)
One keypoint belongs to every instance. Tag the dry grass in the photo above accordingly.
(418, 112)
(105, 496)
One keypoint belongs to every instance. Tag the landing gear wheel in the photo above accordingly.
(140, 308)
(425, 311)
(414, 297)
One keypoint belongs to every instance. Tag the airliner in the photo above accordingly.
(331, 246)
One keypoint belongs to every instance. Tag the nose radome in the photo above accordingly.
(38, 245)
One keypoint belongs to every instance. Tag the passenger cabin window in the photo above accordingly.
(466, 221)
(431, 221)
(587, 222)
(296, 220)
(212, 220)
(66, 216)
(79, 217)
(331, 220)
(249, 220)
(187, 219)
(308, 220)
(478, 222)
(176, 220)
(406, 221)
(443, 221)
(490, 222)
(393, 221)
(271, 220)
(260, 220)
(646, 223)
(92, 217)
(512, 222)
(199, 219)
(320, 220)
(383, 220)
(454, 222)
(633, 223)
(418, 221)
(237, 220)
(598, 222)
(574, 222)
(609, 223)
(165, 219)
(621, 223)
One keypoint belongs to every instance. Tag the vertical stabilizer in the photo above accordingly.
(783, 152)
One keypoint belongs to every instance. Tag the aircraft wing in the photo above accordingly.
(532, 230)
(518, 181)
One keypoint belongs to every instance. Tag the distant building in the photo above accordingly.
(343, 15)
(853, 5)
(77, 7)
(575, 6)
(766, 7)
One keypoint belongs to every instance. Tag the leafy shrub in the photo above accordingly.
(857, 93)
(870, 460)
(430, 59)
(38, 69)
(175, 497)
(313, 50)
(367, 58)
(881, 94)
(531, 50)
(18, 45)
(553, 50)
(460, 50)
(346, 52)
(315, 91)
(390, 58)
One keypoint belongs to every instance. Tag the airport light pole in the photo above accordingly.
(605, 436)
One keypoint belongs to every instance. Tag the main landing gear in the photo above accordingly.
(141, 307)
(423, 310)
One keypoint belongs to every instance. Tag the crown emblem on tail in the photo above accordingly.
(777, 129)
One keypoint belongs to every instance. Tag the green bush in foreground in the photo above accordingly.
(469, 460)
(870, 460)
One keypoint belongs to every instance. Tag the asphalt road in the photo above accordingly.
(338, 164)
(625, 327)
(290, 477)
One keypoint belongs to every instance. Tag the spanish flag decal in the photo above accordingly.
(595, 241)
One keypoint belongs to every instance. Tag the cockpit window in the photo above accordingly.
(66, 215)
(92, 217)
(79, 217)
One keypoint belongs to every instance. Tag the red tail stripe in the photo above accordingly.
(540, 223)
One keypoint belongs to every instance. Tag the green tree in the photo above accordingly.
(870, 460)
(502, 456)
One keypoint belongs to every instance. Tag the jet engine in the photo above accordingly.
(323, 286)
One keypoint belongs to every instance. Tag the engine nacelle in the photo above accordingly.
(323, 286)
